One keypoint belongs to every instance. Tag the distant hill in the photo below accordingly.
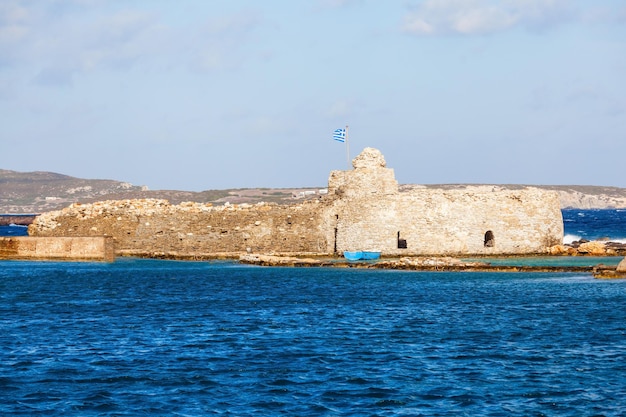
(571, 196)
(38, 192)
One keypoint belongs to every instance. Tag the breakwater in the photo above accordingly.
(95, 248)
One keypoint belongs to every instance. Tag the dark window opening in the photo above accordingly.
(490, 240)
(401, 242)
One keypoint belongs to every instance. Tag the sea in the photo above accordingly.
(144, 337)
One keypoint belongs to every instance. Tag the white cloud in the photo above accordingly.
(13, 21)
(472, 17)
(58, 40)
(218, 45)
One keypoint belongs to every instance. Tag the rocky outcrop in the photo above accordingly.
(589, 248)
(607, 273)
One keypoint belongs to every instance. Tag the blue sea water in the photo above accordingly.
(594, 224)
(13, 230)
(152, 337)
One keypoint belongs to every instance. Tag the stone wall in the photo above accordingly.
(370, 214)
(363, 211)
(156, 228)
(437, 222)
(58, 248)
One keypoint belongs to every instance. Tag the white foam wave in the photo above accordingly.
(570, 238)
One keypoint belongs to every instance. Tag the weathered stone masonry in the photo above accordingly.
(363, 211)
(156, 228)
(371, 214)
(97, 248)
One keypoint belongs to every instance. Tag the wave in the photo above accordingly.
(17, 225)
(570, 238)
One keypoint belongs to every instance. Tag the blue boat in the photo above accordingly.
(361, 255)
(353, 255)
(370, 255)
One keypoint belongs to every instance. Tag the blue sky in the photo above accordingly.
(201, 94)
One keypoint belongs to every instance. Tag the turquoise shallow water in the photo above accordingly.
(147, 337)
(563, 261)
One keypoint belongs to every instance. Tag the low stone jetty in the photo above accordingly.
(94, 248)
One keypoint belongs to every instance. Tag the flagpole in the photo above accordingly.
(347, 148)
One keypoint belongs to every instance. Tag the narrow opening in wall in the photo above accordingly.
(401, 242)
(490, 239)
(336, 231)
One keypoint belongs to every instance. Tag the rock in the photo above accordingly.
(621, 267)
(559, 250)
(592, 248)
(273, 260)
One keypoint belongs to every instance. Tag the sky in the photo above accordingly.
(214, 94)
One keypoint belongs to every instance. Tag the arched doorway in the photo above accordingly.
(490, 239)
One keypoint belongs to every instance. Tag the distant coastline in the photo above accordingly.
(17, 219)
(39, 192)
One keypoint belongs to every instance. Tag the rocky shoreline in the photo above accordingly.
(439, 264)
(585, 247)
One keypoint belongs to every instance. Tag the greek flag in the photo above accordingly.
(340, 135)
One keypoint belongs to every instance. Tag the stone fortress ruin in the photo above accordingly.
(363, 210)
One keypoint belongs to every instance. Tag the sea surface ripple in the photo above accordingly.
(148, 337)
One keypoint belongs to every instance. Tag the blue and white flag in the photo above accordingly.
(340, 135)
